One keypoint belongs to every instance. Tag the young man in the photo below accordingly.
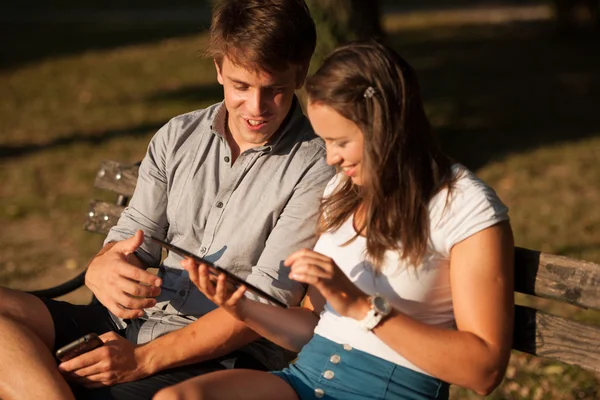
(238, 183)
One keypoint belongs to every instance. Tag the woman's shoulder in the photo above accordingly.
(465, 189)
(467, 206)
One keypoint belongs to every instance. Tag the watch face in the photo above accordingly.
(381, 304)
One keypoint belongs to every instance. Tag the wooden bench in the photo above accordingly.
(537, 274)
(114, 177)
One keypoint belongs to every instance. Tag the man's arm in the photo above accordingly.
(113, 273)
(217, 333)
(213, 335)
(118, 361)
(295, 229)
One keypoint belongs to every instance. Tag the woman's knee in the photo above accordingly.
(169, 393)
(181, 391)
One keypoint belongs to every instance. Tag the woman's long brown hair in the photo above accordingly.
(403, 166)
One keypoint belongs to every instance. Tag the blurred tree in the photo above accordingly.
(340, 21)
(573, 15)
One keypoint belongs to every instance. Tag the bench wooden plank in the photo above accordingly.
(558, 338)
(560, 278)
(102, 216)
(117, 177)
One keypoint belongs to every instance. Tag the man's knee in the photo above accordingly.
(27, 310)
(14, 303)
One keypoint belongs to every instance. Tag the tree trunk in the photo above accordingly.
(340, 21)
(577, 15)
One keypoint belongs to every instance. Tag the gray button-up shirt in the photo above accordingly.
(246, 217)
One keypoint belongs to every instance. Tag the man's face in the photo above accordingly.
(257, 101)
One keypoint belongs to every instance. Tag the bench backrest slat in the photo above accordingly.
(117, 177)
(102, 216)
(556, 277)
(551, 336)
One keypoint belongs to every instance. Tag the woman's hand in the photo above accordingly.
(315, 269)
(216, 289)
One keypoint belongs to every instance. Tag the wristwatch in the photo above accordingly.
(380, 308)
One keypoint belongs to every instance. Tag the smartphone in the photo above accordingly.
(82, 345)
(215, 270)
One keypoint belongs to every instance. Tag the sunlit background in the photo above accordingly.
(511, 87)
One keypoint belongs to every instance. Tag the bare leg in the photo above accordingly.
(243, 384)
(28, 368)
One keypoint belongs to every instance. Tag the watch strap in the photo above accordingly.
(371, 320)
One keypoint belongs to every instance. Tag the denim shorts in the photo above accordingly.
(328, 370)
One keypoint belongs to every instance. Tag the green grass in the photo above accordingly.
(514, 102)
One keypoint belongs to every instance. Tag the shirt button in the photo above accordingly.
(347, 347)
(335, 359)
(203, 250)
(226, 159)
(319, 393)
(328, 374)
(219, 204)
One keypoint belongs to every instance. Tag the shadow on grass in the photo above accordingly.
(35, 41)
(191, 94)
(78, 137)
(494, 90)
(490, 90)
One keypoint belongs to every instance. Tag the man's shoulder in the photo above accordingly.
(305, 139)
(200, 117)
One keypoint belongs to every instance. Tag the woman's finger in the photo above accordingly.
(322, 262)
(205, 284)
(303, 253)
(236, 296)
(310, 269)
(192, 268)
(221, 292)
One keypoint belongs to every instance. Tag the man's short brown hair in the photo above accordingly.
(262, 34)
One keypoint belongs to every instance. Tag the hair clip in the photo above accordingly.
(369, 92)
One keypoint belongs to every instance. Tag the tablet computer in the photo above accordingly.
(216, 270)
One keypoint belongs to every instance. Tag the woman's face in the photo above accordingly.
(343, 139)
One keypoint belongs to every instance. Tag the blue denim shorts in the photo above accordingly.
(328, 370)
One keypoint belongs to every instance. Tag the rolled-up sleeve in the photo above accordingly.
(147, 208)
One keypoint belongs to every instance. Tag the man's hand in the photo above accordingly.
(118, 283)
(118, 361)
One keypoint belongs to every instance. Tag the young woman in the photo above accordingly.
(411, 281)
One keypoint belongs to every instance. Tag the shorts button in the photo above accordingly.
(319, 393)
(347, 347)
(328, 374)
(335, 359)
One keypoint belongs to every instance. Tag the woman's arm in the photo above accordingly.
(290, 328)
(476, 355)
